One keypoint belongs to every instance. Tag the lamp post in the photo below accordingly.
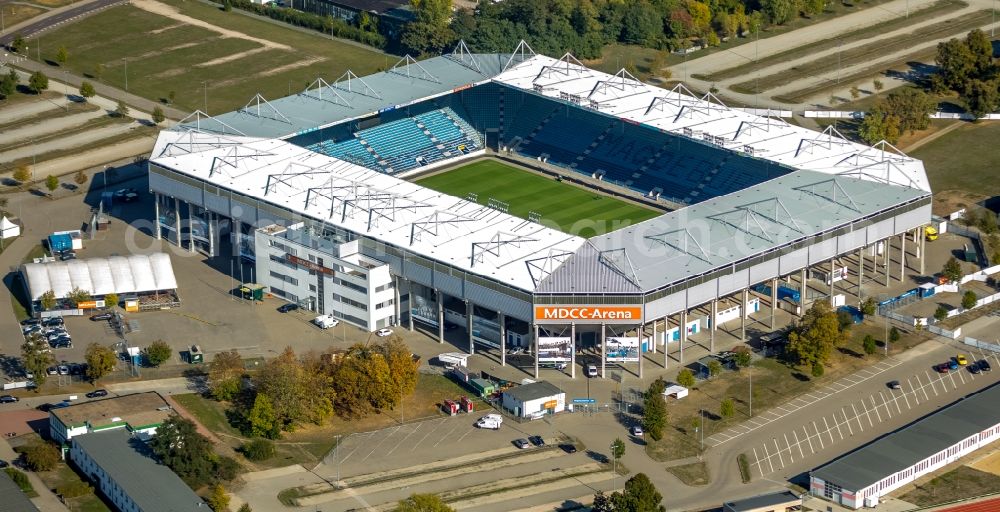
(750, 375)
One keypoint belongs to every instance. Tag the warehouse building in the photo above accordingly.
(783, 501)
(534, 400)
(126, 472)
(861, 478)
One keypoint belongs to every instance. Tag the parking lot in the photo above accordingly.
(871, 415)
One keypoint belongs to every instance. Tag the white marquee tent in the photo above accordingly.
(8, 228)
(100, 276)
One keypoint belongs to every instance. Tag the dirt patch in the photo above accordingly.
(164, 29)
(691, 474)
(230, 58)
(294, 65)
(960, 483)
(947, 202)
(172, 13)
(989, 463)
(170, 72)
(156, 53)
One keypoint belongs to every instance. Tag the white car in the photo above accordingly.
(325, 321)
(382, 333)
(591, 370)
(636, 431)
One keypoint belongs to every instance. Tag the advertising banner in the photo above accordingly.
(622, 350)
(588, 314)
(554, 349)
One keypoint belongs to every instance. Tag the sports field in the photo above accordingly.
(563, 206)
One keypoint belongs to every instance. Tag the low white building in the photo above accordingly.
(139, 414)
(326, 275)
(860, 478)
(534, 400)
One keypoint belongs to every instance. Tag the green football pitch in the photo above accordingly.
(561, 205)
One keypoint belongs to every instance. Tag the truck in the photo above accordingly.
(325, 321)
(490, 421)
(784, 292)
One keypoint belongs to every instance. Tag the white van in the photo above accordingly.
(489, 422)
(325, 321)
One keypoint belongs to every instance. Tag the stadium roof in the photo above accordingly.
(327, 103)
(467, 235)
(836, 182)
(915, 442)
(101, 276)
(129, 462)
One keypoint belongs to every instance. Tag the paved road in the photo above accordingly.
(56, 17)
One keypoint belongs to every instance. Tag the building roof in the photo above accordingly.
(392, 7)
(14, 499)
(136, 410)
(128, 461)
(764, 500)
(834, 182)
(348, 97)
(533, 391)
(101, 276)
(915, 442)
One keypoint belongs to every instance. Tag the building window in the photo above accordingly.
(830, 488)
(288, 279)
(312, 287)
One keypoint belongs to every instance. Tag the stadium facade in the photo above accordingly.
(313, 189)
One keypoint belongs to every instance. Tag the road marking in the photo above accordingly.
(960, 376)
(798, 444)
(429, 432)
(933, 387)
(923, 388)
(768, 455)
(818, 435)
(915, 399)
(447, 436)
(836, 423)
(791, 457)
(780, 458)
(874, 407)
(951, 375)
(895, 399)
(370, 434)
(378, 444)
(808, 440)
(828, 431)
(401, 441)
(757, 462)
(471, 430)
(847, 422)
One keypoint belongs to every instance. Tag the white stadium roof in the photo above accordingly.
(526, 255)
(100, 276)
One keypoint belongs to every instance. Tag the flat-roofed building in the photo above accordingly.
(783, 501)
(139, 413)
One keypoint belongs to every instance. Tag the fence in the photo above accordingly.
(982, 345)
(769, 112)
(834, 114)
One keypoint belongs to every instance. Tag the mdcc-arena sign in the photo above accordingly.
(589, 314)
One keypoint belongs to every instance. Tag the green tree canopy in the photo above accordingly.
(639, 495)
(38, 82)
(87, 89)
(52, 183)
(423, 503)
(158, 116)
(224, 375)
(952, 270)
(685, 378)
(36, 359)
(969, 299)
(869, 344)
(40, 455)
(101, 361)
(654, 410)
(727, 408)
(158, 352)
(814, 337)
(181, 448)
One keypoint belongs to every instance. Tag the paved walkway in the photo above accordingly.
(46, 501)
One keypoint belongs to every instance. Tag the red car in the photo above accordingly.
(942, 368)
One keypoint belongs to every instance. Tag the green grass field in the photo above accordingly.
(962, 159)
(163, 55)
(563, 206)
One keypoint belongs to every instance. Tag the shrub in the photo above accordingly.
(258, 449)
(74, 489)
(19, 478)
(869, 344)
(685, 378)
(40, 455)
(817, 369)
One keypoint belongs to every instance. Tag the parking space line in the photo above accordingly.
(360, 444)
(847, 422)
(836, 423)
(429, 432)
(403, 440)
(461, 437)
(378, 444)
(791, 457)
(780, 458)
(798, 444)
(808, 440)
(923, 387)
(933, 387)
(447, 436)
(910, 384)
(951, 375)
(757, 461)
(767, 457)
(960, 376)
(874, 407)
(818, 435)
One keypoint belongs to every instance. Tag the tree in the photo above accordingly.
(8, 85)
(40, 455)
(855, 92)
(261, 419)
(179, 446)
(877, 85)
(51, 183)
(423, 503)
(639, 495)
(22, 174)
(224, 375)
(218, 500)
(18, 44)
(654, 410)
(121, 110)
(245, 508)
(880, 124)
(158, 352)
(47, 300)
(869, 306)
(298, 392)
(913, 107)
(101, 361)
(940, 313)
(981, 96)
(685, 378)
(87, 89)
(62, 55)
(36, 359)
(742, 356)
(969, 299)
(227, 6)
(817, 369)
(816, 334)
(714, 367)
(76, 295)
(111, 300)
(617, 449)
(952, 270)
(80, 178)
(158, 116)
(258, 449)
(38, 82)
(727, 408)
(778, 12)
(869, 344)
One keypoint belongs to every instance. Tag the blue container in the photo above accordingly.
(62, 242)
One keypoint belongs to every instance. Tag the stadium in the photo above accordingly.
(530, 200)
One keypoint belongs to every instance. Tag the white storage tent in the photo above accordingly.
(100, 276)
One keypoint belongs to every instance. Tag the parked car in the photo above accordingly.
(973, 368)
(521, 443)
(382, 333)
(536, 440)
(591, 370)
(488, 423)
(97, 393)
(568, 448)
(66, 256)
(63, 369)
(53, 322)
(984, 365)
(30, 321)
(286, 308)
(942, 368)
(325, 321)
(8, 399)
(52, 370)
(953, 365)
(636, 431)
(960, 359)
(100, 317)
(893, 384)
